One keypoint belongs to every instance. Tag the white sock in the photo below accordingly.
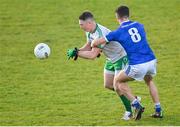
(157, 104)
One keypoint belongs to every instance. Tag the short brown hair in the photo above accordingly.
(86, 15)
(122, 11)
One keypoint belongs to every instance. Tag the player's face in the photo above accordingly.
(85, 25)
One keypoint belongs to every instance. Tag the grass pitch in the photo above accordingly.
(61, 92)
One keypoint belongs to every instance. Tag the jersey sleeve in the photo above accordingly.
(111, 36)
(105, 32)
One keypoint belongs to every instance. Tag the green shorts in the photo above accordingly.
(118, 65)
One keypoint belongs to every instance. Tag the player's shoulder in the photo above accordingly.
(129, 24)
(101, 27)
(138, 24)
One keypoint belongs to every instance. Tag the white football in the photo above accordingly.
(42, 51)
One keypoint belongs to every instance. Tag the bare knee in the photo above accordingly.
(117, 85)
(108, 81)
(108, 86)
(117, 80)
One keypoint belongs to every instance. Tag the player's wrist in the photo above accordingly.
(76, 50)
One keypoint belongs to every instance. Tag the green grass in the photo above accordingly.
(61, 92)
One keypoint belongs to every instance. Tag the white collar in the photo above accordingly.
(124, 21)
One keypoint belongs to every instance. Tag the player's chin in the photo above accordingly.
(86, 30)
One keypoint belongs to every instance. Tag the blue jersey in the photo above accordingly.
(132, 36)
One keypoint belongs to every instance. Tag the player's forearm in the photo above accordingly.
(84, 49)
(87, 54)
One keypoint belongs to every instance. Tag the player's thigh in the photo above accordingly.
(119, 78)
(108, 74)
(151, 71)
(122, 77)
(108, 79)
(152, 68)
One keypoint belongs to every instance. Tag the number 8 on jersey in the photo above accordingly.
(135, 36)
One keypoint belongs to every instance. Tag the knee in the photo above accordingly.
(117, 80)
(118, 88)
(117, 84)
(108, 86)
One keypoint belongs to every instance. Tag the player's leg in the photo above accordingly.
(108, 75)
(127, 105)
(108, 83)
(153, 89)
(122, 87)
(108, 79)
(119, 65)
(109, 72)
(155, 97)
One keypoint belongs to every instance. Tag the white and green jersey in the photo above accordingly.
(113, 51)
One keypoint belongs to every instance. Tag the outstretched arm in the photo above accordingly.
(86, 52)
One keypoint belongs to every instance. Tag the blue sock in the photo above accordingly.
(136, 103)
(158, 107)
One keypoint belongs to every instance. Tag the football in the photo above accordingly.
(42, 51)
